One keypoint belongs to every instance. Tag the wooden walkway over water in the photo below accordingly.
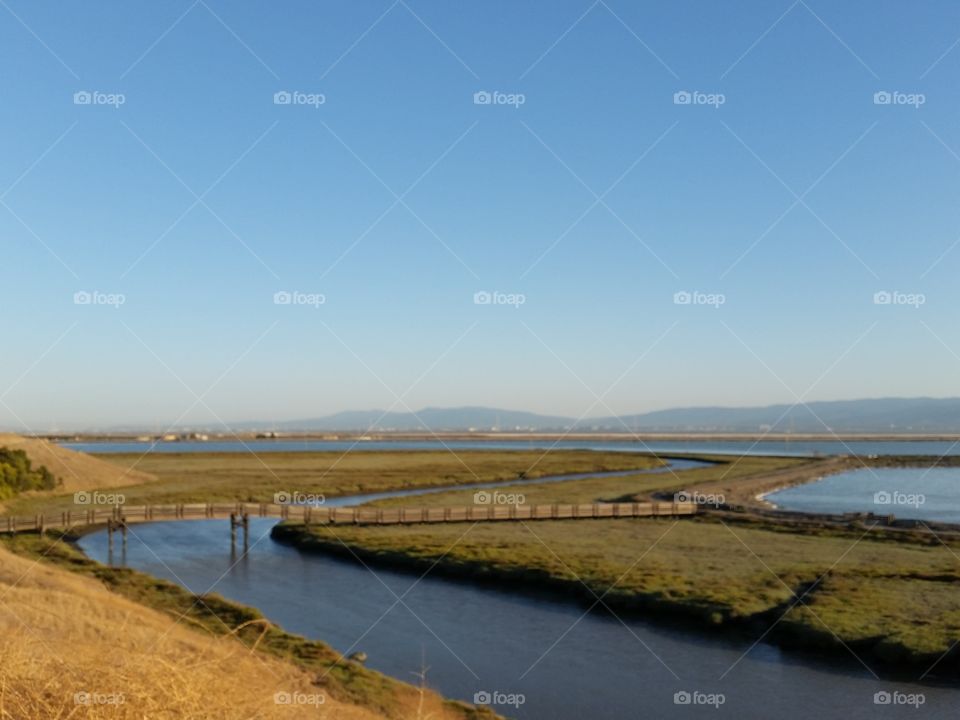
(242, 512)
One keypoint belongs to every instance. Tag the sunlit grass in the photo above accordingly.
(243, 477)
(171, 654)
(896, 600)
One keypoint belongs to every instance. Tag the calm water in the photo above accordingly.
(916, 493)
(936, 448)
(568, 665)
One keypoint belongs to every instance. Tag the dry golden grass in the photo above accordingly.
(71, 649)
(77, 470)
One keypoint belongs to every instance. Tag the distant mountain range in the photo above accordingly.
(891, 415)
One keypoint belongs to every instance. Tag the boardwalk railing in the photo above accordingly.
(340, 516)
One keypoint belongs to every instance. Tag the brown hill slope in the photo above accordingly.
(72, 649)
(77, 470)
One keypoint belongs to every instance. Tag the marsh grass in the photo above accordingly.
(896, 602)
(614, 489)
(243, 477)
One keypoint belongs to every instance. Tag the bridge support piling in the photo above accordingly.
(242, 521)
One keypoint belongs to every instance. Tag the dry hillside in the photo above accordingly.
(77, 470)
(69, 648)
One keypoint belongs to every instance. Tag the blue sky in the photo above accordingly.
(783, 190)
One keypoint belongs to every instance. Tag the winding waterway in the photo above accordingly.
(565, 664)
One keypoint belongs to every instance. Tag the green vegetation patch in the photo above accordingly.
(17, 475)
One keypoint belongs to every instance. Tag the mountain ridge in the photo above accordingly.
(919, 414)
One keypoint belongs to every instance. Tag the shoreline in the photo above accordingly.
(346, 679)
(895, 660)
(633, 437)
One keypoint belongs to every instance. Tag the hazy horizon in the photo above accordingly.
(381, 418)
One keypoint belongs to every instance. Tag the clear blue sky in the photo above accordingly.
(796, 199)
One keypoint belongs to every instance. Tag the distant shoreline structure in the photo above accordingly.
(388, 436)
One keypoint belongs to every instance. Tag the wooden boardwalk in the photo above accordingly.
(129, 515)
